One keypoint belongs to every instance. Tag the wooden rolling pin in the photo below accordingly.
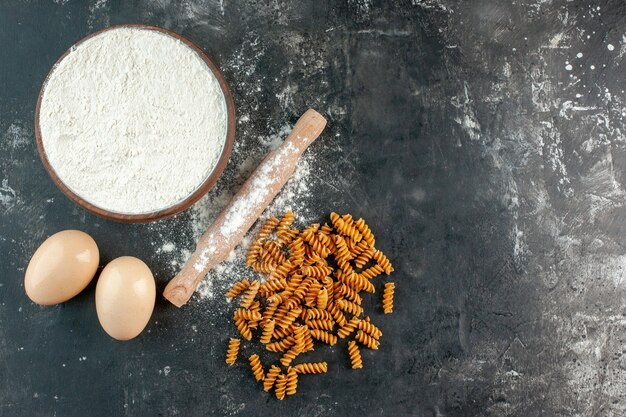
(245, 208)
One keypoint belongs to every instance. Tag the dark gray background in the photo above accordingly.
(483, 141)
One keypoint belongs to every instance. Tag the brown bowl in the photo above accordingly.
(192, 198)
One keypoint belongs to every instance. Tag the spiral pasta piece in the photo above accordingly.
(316, 244)
(286, 237)
(367, 340)
(350, 307)
(355, 355)
(289, 356)
(327, 241)
(281, 386)
(267, 228)
(270, 378)
(296, 251)
(345, 266)
(325, 229)
(299, 293)
(268, 331)
(383, 261)
(323, 336)
(346, 228)
(244, 329)
(364, 258)
(343, 253)
(254, 252)
(264, 267)
(313, 227)
(360, 283)
(359, 248)
(347, 329)
(280, 313)
(233, 351)
(257, 368)
(348, 292)
(321, 300)
(372, 272)
(264, 232)
(289, 318)
(292, 381)
(337, 315)
(310, 299)
(269, 311)
(320, 324)
(294, 283)
(274, 285)
(237, 288)
(388, 297)
(370, 329)
(311, 368)
(285, 222)
(316, 313)
(280, 333)
(328, 285)
(308, 341)
(299, 337)
(281, 345)
(311, 257)
(250, 293)
(282, 270)
(367, 234)
(272, 252)
(248, 315)
(317, 271)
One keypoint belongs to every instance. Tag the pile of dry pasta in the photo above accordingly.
(315, 278)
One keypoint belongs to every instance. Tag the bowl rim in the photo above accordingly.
(182, 205)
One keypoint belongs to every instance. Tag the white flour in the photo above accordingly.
(133, 120)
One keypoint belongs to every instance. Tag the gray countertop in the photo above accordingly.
(482, 140)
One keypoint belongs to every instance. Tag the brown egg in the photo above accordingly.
(125, 296)
(61, 267)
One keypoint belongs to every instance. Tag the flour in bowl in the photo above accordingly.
(132, 120)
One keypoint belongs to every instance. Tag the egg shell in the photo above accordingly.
(61, 267)
(125, 296)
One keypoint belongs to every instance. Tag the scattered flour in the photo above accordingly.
(8, 195)
(129, 109)
(168, 247)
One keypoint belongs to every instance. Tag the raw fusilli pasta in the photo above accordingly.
(348, 328)
(268, 330)
(370, 329)
(237, 288)
(388, 297)
(367, 340)
(249, 295)
(292, 381)
(382, 260)
(281, 386)
(311, 293)
(257, 368)
(311, 368)
(355, 355)
(233, 350)
(270, 378)
(321, 335)
(244, 329)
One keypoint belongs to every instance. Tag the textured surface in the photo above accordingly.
(483, 141)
